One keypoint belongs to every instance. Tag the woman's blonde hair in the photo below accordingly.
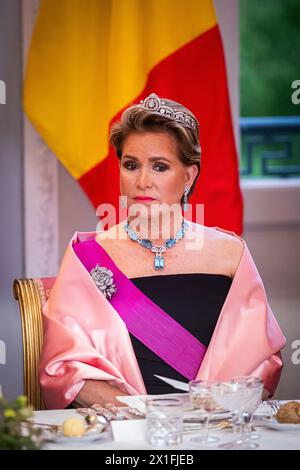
(136, 118)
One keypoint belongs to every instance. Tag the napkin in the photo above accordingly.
(129, 430)
(174, 383)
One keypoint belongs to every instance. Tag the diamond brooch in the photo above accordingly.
(103, 278)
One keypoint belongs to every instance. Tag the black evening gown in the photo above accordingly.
(193, 300)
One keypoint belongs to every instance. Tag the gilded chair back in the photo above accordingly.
(31, 295)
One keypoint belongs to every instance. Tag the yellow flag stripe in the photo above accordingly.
(89, 58)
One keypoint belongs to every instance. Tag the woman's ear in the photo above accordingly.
(191, 173)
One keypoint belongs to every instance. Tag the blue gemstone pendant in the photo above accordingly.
(159, 262)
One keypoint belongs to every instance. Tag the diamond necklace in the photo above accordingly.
(159, 250)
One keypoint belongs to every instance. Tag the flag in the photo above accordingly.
(90, 59)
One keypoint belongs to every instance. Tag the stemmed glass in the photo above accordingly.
(233, 396)
(254, 387)
(203, 404)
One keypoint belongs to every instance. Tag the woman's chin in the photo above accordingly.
(140, 207)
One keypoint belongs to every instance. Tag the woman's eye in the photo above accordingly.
(130, 166)
(160, 167)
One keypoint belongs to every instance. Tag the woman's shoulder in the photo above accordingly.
(217, 234)
(229, 239)
(225, 245)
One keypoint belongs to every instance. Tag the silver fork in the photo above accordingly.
(273, 406)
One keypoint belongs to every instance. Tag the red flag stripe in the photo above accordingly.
(195, 76)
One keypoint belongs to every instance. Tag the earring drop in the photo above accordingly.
(185, 199)
(124, 202)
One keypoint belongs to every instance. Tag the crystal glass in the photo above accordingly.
(203, 403)
(164, 418)
(254, 387)
(233, 396)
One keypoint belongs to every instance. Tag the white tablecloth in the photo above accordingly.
(270, 439)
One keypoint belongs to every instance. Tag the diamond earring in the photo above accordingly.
(123, 201)
(185, 199)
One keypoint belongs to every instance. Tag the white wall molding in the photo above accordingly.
(228, 20)
(2, 354)
(40, 184)
(271, 203)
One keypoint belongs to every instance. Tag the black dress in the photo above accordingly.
(193, 300)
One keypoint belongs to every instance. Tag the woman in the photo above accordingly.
(155, 294)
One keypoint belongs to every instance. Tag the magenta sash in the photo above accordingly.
(144, 319)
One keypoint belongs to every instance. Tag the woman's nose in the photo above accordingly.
(144, 179)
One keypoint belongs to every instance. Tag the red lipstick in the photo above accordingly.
(144, 198)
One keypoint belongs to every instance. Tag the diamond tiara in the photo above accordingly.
(158, 106)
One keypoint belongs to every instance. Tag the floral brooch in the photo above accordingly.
(103, 278)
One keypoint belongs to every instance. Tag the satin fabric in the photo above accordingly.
(150, 324)
(85, 338)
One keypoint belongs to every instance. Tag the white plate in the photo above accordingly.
(193, 417)
(138, 402)
(272, 423)
(89, 436)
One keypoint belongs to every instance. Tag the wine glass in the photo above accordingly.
(203, 404)
(254, 387)
(233, 396)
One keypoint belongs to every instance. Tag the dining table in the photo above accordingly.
(130, 434)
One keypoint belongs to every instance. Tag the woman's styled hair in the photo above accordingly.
(156, 114)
